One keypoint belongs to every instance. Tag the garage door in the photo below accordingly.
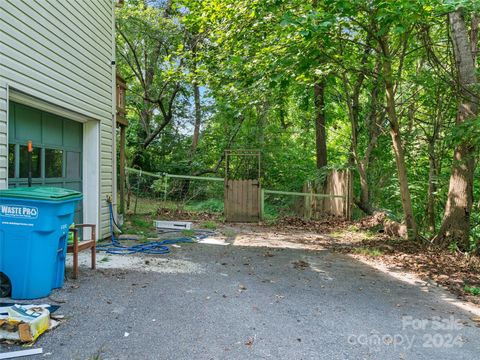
(57, 149)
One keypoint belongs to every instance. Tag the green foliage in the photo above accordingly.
(152, 56)
(209, 225)
(141, 223)
(472, 290)
(188, 233)
(257, 62)
(209, 205)
(453, 247)
(229, 233)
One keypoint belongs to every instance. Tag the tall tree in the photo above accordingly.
(320, 123)
(194, 40)
(398, 147)
(149, 46)
(456, 220)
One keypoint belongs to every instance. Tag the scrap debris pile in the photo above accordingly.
(25, 323)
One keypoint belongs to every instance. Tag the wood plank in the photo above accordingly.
(237, 195)
(250, 194)
(243, 201)
(229, 193)
(256, 200)
(251, 212)
(225, 199)
(245, 192)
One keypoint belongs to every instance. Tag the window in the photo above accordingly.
(73, 168)
(53, 163)
(36, 162)
(11, 161)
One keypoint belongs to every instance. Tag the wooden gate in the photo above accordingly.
(242, 200)
(242, 186)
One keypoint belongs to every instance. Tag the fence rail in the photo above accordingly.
(170, 185)
(302, 194)
(162, 175)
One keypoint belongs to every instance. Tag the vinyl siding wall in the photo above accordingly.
(3, 134)
(60, 51)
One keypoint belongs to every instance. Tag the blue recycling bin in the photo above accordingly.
(34, 225)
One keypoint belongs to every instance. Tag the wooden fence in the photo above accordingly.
(338, 187)
(242, 200)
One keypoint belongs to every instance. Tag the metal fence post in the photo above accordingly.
(165, 189)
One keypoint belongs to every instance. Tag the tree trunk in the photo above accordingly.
(196, 97)
(397, 141)
(403, 180)
(122, 166)
(432, 186)
(364, 204)
(373, 124)
(198, 118)
(320, 134)
(456, 221)
(474, 36)
(138, 155)
(354, 115)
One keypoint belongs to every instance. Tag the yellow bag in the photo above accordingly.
(24, 324)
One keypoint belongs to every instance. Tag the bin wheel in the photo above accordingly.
(5, 286)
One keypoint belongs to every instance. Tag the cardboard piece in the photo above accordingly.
(24, 324)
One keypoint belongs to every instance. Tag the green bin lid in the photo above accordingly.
(40, 193)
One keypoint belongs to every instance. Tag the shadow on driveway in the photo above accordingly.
(233, 302)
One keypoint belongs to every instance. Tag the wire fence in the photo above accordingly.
(149, 193)
(280, 205)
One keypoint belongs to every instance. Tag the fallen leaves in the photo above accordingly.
(324, 225)
(250, 341)
(300, 265)
(180, 214)
(451, 270)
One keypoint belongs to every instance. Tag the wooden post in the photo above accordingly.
(307, 204)
(122, 122)
(122, 169)
(262, 203)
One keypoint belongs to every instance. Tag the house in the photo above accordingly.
(57, 90)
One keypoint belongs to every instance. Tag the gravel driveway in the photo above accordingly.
(232, 302)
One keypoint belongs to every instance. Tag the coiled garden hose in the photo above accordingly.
(152, 247)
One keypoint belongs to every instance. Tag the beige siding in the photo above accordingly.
(3, 135)
(60, 51)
